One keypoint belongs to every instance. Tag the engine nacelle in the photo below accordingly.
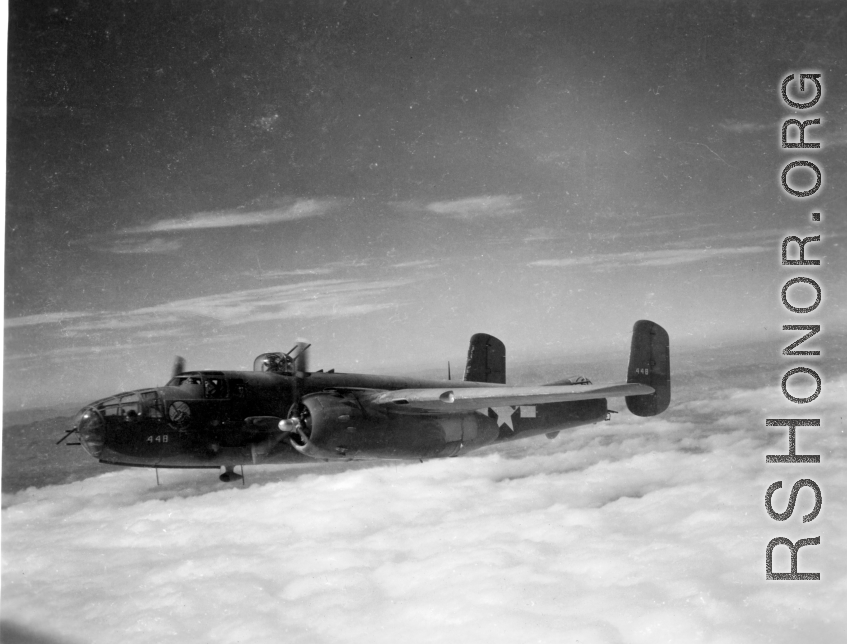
(331, 426)
(337, 425)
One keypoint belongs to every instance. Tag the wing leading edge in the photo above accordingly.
(463, 399)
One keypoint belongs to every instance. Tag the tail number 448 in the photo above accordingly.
(159, 438)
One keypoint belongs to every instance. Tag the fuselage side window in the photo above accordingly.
(215, 386)
(151, 406)
(238, 388)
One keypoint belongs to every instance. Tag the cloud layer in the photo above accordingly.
(633, 531)
(612, 261)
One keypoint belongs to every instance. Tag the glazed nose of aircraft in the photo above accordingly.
(92, 431)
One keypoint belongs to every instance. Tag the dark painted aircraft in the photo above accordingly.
(282, 413)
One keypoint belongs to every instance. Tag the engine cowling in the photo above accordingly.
(330, 424)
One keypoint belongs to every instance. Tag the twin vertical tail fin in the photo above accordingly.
(649, 364)
(486, 359)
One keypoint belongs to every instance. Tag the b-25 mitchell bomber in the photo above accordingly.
(282, 413)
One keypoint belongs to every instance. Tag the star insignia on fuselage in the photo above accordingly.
(504, 416)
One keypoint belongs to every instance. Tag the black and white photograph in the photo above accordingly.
(424, 321)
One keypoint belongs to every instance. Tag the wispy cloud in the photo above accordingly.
(300, 209)
(267, 275)
(155, 246)
(470, 208)
(484, 206)
(420, 263)
(648, 258)
(44, 318)
(87, 352)
(319, 298)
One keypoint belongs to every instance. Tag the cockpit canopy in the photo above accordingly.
(275, 362)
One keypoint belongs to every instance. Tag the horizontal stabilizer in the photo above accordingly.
(463, 399)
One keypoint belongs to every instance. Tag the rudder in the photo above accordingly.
(486, 359)
(649, 364)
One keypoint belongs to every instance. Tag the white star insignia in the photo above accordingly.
(504, 416)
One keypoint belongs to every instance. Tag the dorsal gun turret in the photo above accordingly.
(275, 362)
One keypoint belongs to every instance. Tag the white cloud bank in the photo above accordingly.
(638, 531)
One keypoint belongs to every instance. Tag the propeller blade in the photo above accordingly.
(179, 366)
(301, 360)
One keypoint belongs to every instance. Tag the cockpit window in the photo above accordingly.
(184, 381)
(215, 387)
(130, 406)
(108, 407)
(191, 385)
(201, 385)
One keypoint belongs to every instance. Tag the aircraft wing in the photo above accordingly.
(461, 399)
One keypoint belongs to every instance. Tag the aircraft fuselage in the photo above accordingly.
(215, 418)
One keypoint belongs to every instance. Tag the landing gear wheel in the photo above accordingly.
(229, 475)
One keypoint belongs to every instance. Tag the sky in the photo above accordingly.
(626, 532)
(217, 180)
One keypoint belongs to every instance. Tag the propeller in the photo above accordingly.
(178, 367)
(291, 428)
(297, 427)
(301, 358)
(300, 361)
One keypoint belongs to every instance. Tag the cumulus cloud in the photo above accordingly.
(672, 257)
(642, 530)
(300, 209)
